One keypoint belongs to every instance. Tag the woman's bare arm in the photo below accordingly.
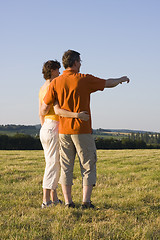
(41, 117)
(64, 113)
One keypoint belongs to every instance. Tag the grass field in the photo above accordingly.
(127, 197)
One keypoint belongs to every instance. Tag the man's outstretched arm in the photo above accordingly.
(113, 82)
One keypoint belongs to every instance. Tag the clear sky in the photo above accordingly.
(114, 37)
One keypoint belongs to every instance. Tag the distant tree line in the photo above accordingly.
(133, 141)
(110, 143)
(27, 142)
(149, 138)
(22, 129)
(13, 127)
(19, 142)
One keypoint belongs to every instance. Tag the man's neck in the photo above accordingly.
(72, 69)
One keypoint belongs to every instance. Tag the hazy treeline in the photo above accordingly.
(13, 127)
(22, 129)
(133, 141)
(27, 142)
(149, 138)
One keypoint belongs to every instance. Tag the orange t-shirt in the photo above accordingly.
(73, 93)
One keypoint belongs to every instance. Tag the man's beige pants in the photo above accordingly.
(84, 146)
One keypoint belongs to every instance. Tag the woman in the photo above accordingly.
(49, 136)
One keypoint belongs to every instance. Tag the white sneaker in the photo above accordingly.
(48, 204)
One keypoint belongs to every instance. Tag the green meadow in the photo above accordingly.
(127, 197)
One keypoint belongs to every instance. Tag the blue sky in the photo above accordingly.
(114, 37)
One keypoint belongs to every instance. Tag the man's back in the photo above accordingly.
(73, 93)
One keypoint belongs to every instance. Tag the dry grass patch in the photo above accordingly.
(126, 195)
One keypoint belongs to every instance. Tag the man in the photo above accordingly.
(72, 90)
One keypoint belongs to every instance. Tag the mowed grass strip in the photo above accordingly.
(127, 197)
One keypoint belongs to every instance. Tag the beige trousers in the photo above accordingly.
(84, 146)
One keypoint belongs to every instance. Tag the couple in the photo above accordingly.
(68, 96)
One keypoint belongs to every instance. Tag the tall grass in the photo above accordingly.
(127, 197)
